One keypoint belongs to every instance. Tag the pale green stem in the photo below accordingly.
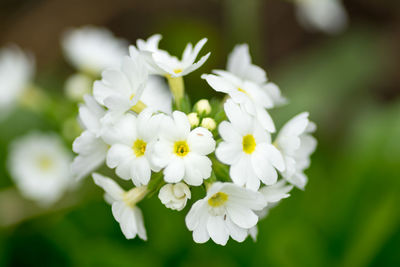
(177, 88)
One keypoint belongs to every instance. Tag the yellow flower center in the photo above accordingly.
(177, 71)
(242, 90)
(45, 163)
(218, 199)
(139, 147)
(249, 144)
(181, 148)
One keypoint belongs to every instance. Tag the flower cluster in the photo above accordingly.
(155, 138)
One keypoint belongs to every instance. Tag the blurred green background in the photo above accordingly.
(348, 215)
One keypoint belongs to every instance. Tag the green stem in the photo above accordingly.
(177, 88)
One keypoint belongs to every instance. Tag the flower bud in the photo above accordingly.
(193, 119)
(203, 106)
(77, 86)
(174, 196)
(208, 123)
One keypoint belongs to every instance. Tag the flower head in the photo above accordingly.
(247, 148)
(296, 145)
(124, 208)
(328, 16)
(16, 71)
(132, 139)
(39, 165)
(174, 196)
(227, 210)
(183, 152)
(91, 49)
(162, 63)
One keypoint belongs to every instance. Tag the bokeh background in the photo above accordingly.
(348, 215)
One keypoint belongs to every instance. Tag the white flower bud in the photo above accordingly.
(203, 106)
(208, 123)
(77, 86)
(193, 119)
(174, 196)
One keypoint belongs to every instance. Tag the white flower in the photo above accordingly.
(78, 85)
(157, 95)
(239, 64)
(272, 195)
(296, 145)
(89, 146)
(183, 152)
(174, 196)
(247, 148)
(39, 165)
(227, 210)
(324, 15)
(247, 93)
(132, 139)
(162, 63)
(203, 106)
(92, 49)
(121, 89)
(124, 208)
(16, 71)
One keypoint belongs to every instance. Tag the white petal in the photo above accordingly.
(117, 154)
(197, 168)
(109, 186)
(228, 153)
(228, 133)
(242, 217)
(217, 230)
(201, 141)
(175, 171)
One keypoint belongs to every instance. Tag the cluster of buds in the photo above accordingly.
(139, 122)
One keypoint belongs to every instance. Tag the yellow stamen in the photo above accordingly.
(242, 90)
(177, 71)
(139, 107)
(249, 144)
(139, 147)
(218, 199)
(181, 148)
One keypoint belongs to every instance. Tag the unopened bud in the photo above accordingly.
(203, 106)
(193, 119)
(208, 123)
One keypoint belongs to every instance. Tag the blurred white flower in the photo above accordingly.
(78, 85)
(162, 63)
(328, 16)
(227, 210)
(247, 147)
(174, 196)
(16, 72)
(89, 146)
(132, 139)
(92, 49)
(39, 165)
(296, 145)
(121, 89)
(124, 208)
(157, 95)
(183, 152)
